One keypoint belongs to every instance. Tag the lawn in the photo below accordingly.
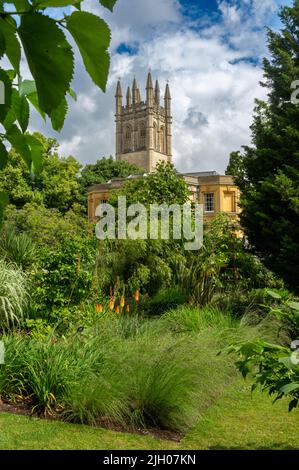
(237, 420)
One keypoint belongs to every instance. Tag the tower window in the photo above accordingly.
(209, 202)
(128, 139)
(142, 136)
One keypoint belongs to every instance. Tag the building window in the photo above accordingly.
(128, 139)
(209, 202)
(142, 136)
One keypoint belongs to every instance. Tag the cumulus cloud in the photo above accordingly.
(214, 69)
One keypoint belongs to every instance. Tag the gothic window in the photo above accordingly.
(155, 137)
(162, 140)
(142, 136)
(128, 138)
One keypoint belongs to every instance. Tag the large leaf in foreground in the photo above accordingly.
(12, 45)
(92, 36)
(50, 59)
(108, 4)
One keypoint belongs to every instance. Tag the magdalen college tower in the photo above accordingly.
(143, 128)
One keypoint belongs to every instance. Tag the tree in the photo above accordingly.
(164, 186)
(268, 172)
(102, 171)
(56, 185)
(25, 26)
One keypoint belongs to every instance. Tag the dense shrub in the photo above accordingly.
(164, 300)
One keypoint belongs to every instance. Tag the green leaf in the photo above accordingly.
(293, 305)
(274, 295)
(19, 142)
(13, 48)
(92, 36)
(33, 98)
(286, 361)
(19, 111)
(56, 3)
(58, 115)
(3, 156)
(289, 388)
(24, 112)
(2, 44)
(5, 94)
(36, 148)
(50, 59)
(27, 87)
(73, 94)
(108, 4)
(21, 5)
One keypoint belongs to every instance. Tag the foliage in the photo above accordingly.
(126, 380)
(65, 256)
(222, 264)
(17, 248)
(144, 264)
(13, 294)
(163, 186)
(102, 171)
(274, 366)
(47, 226)
(55, 186)
(268, 172)
(137, 264)
(27, 28)
(65, 275)
(240, 302)
(164, 300)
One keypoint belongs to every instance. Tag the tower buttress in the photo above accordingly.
(168, 120)
(118, 100)
(129, 97)
(157, 93)
(149, 91)
(135, 91)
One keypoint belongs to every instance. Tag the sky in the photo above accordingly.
(210, 51)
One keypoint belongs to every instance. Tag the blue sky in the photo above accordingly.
(210, 51)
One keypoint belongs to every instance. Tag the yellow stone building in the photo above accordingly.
(144, 138)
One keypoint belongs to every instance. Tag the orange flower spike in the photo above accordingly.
(117, 310)
(128, 309)
(111, 304)
(122, 302)
(136, 296)
(99, 308)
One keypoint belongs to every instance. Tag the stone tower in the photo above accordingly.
(143, 128)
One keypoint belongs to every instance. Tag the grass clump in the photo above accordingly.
(126, 371)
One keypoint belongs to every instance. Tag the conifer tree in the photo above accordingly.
(267, 172)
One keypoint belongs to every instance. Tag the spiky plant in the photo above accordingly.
(13, 294)
(17, 248)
